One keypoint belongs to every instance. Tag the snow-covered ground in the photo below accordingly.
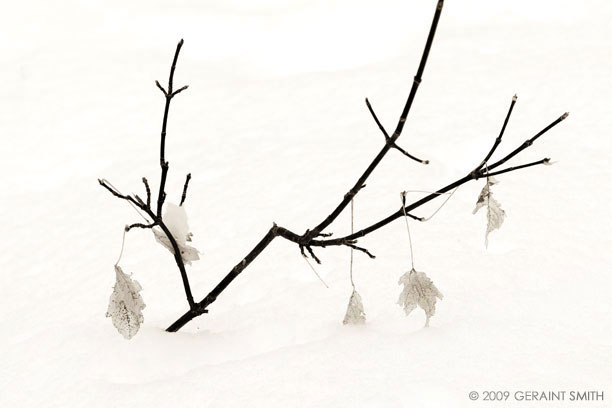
(274, 129)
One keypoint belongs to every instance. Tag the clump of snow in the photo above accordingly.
(175, 219)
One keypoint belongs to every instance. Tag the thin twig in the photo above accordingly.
(162, 150)
(535, 163)
(388, 139)
(499, 138)
(117, 194)
(358, 248)
(148, 189)
(185, 189)
(528, 142)
(180, 90)
(139, 225)
(161, 88)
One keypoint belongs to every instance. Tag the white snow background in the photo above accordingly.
(274, 128)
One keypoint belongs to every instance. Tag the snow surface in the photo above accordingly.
(274, 129)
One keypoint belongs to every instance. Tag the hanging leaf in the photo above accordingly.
(495, 214)
(354, 312)
(420, 291)
(125, 306)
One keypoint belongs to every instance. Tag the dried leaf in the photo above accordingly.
(420, 291)
(354, 312)
(188, 253)
(495, 214)
(125, 306)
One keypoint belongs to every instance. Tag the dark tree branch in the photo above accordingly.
(499, 138)
(157, 216)
(179, 90)
(388, 139)
(162, 150)
(185, 189)
(307, 241)
(361, 249)
(139, 225)
(162, 194)
(527, 142)
(396, 134)
(161, 88)
(426, 199)
(148, 189)
(422, 161)
(312, 254)
(380, 126)
(236, 270)
(349, 240)
(104, 184)
(522, 166)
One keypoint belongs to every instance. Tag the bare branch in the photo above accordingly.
(161, 88)
(104, 184)
(312, 254)
(388, 139)
(380, 126)
(528, 142)
(162, 150)
(146, 183)
(509, 169)
(179, 91)
(139, 225)
(162, 194)
(361, 249)
(361, 181)
(185, 189)
(499, 138)
(422, 161)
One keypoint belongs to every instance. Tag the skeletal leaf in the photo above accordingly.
(188, 253)
(495, 214)
(354, 312)
(126, 304)
(420, 291)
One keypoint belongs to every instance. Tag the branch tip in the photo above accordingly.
(161, 88)
(514, 98)
(565, 115)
